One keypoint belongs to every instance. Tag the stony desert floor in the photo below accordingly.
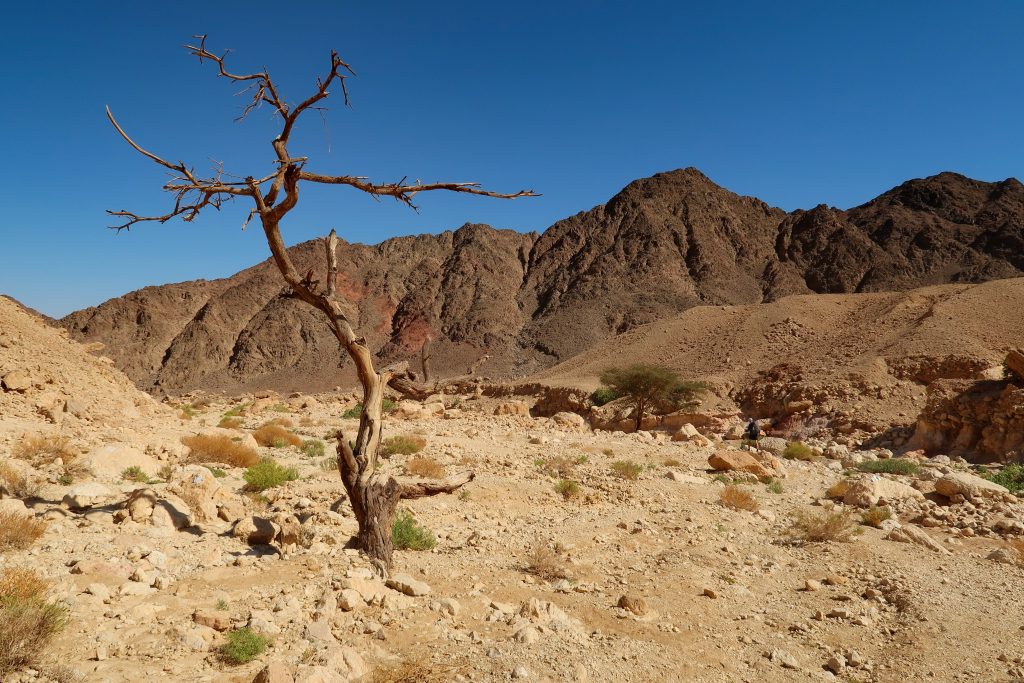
(724, 594)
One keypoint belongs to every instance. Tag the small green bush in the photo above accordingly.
(407, 534)
(567, 488)
(1011, 476)
(218, 472)
(328, 464)
(353, 413)
(798, 451)
(602, 396)
(312, 448)
(626, 469)
(243, 646)
(402, 445)
(774, 486)
(890, 466)
(237, 411)
(267, 474)
(135, 473)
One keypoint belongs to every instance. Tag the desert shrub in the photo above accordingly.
(280, 408)
(19, 530)
(276, 436)
(220, 448)
(602, 396)
(230, 423)
(43, 450)
(651, 386)
(819, 527)
(425, 467)
(671, 462)
(567, 488)
(242, 646)
(407, 534)
(627, 469)
(217, 472)
(282, 421)
(798, 450)
(65, 479)
(738, 499)
(27, 620)
(875, 515)
(312, 448)
(266, 474)
(890, 466)
(405, 444)
(135, 473)
(774, 486)
(1011, 476)
(16, 483)
(609, 452)
(328, 464)
(545, 563)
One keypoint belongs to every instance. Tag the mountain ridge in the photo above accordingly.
(661, 245)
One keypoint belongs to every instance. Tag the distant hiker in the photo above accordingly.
(753, 431)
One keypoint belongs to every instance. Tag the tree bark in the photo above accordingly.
(425, 358)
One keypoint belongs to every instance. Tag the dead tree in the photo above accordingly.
(373, 495)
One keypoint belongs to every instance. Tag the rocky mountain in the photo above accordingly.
(660, 246)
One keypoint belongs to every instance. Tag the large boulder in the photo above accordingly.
(521, 408)
(569, 421)
(772, 444)
(110, 461)
(1015, 363)
(872, 489)
(256, 530)
(740, 461)
(971, 487)
(86, 495)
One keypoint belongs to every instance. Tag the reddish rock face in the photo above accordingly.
(661, 245)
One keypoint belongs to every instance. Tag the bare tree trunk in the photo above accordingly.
(424, 357)
(639, 414)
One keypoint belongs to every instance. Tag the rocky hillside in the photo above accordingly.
(659, 247)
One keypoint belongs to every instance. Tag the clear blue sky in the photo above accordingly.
(797, 103)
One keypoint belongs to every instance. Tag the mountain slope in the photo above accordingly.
(659, 247)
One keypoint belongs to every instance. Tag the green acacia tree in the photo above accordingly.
(651, 386)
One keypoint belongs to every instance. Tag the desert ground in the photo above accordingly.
(653, 565)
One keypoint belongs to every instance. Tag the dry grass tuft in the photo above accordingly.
(220, 448)
(27, 621)
(42, 450)
(738, 498)
(230, 423)
(16, 483)
(545, 563)
(18, 530)
(1017, 546)
(285, 422)
(559, 466)
(418, 669)
(425, 467)
(276, 436)
(820, 527)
